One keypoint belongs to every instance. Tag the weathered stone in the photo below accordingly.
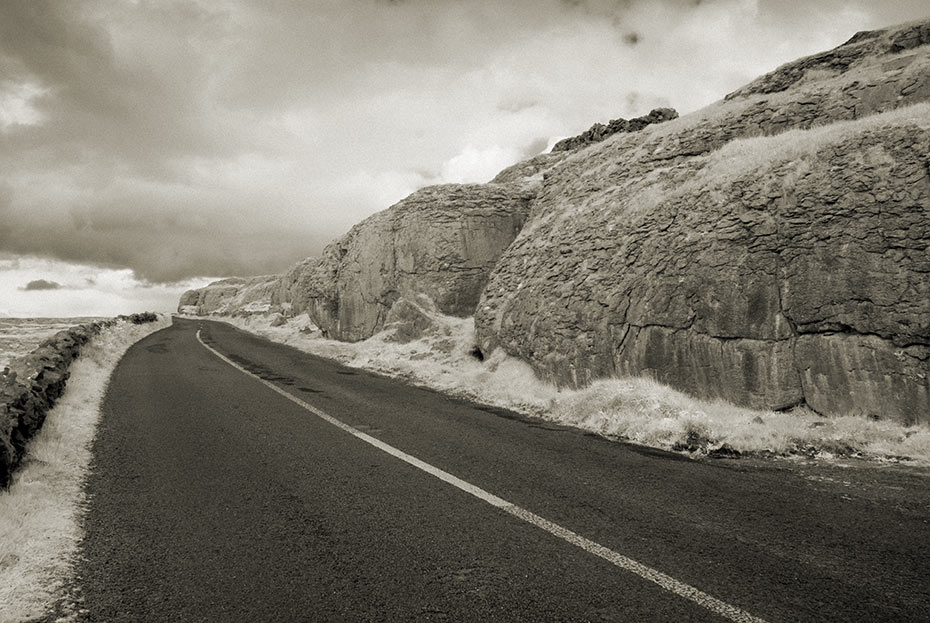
(749, 273)
(441, 241)
(862, 46)
(529, 172)
(235, 295)
(755, 373)
(864, 375)
(772, 249)
(210, 298)
(410, 319)
(598, 132)
(31, 384)
(292, 292)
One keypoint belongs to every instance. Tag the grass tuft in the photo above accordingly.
(638, 410)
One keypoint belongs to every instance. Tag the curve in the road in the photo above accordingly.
(628, 564)
(211, 498)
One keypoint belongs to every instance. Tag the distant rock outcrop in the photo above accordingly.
(441, 243)
(863, 48)
(242, 295)
(598, 132)
(771, 272)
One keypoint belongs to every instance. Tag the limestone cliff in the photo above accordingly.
(441, 241)
(772, 249)
(765, 271)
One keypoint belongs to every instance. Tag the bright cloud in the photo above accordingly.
(31, 286)
(17, 104)
(477, 165)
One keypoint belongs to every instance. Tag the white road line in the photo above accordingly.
(648, 573)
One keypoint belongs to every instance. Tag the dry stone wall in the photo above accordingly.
(31, 384)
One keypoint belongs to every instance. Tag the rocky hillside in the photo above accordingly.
(770, 270)
(770, 250)
(599, 131)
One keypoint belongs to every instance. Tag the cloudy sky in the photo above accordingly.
(147, 146)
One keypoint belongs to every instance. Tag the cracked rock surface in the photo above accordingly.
(781, 269)
(441, 241)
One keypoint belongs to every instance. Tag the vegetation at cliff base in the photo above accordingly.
(638, 410)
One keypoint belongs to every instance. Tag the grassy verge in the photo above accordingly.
(633, 409)
(39, 513)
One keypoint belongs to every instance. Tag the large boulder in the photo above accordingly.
(441, 241)
(291, 293)
(410, 319)
(769, 271)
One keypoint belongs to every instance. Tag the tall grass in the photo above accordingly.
(639, 410)
(39, 513)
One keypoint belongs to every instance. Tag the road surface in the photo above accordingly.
(215, 496)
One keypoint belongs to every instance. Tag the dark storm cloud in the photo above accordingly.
(165, 236)
(125, 113)
(128, 102)
(181, 138)
(41, 284)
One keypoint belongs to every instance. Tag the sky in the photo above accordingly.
(150, 146)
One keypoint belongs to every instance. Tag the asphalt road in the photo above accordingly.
(214, 498)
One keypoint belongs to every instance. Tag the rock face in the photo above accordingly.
(768, 271)
(441, 241)
(772, 249)
(856, 52)
(410, 319)
(291, 293)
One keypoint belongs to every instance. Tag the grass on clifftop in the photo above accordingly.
(39, 514)
(633, 409)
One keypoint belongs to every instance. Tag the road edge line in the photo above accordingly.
(655, 576)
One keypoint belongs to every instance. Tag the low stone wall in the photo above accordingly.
(32, 383)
